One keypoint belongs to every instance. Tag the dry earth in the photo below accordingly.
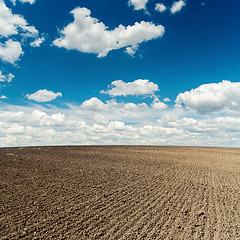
(120, 192)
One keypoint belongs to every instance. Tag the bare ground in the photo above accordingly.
(120, 192)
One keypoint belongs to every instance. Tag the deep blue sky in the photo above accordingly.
(200, 45)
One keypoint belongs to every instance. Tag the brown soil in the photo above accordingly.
(120, 192)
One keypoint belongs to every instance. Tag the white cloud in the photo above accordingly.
(112, 110)
(192, 125)
(43, 119)
(131, 107)
(159, 105)
(37, 42)
(11, 23)
(88, 35)
(177, 6)
(6, 78)
(159, 7)
(166, 100)
(24, 1)
(15, 25)
(93, 104)
(112, 122)
(3, 97)
(117, 125)
(15, 129)
(10, 77)
(131, 50)
(43, 96)
(10, 51)
(213, 125)
(212, 97)
(138, 87)
(138, 4)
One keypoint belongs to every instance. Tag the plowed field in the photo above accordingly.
(120, 192)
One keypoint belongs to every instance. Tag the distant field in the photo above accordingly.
(120, 192)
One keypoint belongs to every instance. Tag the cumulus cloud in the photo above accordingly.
(70, 126)
(86, 34)
(24, 1)
(114, 123)
(10, 51)
(138, 4)
(111, 110)
(15, 115)
(111, 122)
(138, 87)
(192, 125)
(131, 50)
(159, 105)
(117, 125)
(131, 107)
(212, 97)
(93, 104)
(6, 78)
(213, 125)
(11, 23)
(37, 42)
(177, 6)
(159, 7)
(43, 119)
(166, 100)
(43, 96)
(15, 25)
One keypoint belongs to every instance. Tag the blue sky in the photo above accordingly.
(119, 72)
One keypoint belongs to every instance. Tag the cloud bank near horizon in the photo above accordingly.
(119, 122)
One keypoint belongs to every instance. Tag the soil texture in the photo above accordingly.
(120, 192)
